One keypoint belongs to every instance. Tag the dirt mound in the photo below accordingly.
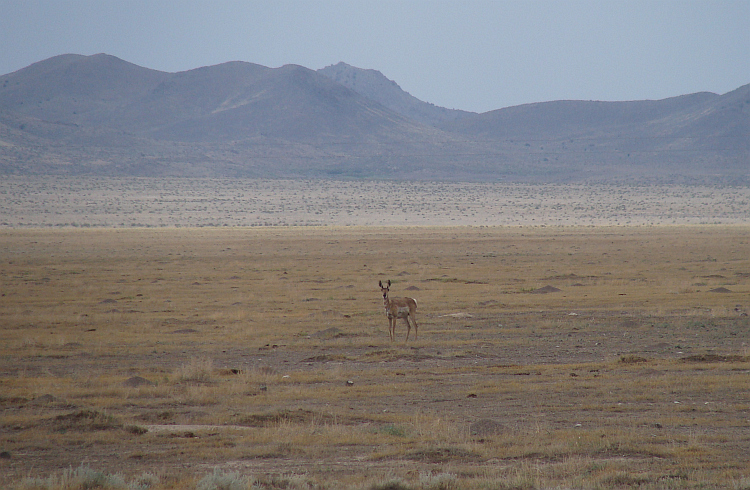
(328, 334)
(546, 289)
(43, 400)
(328, 358)
(444, 455)
(85, 420)
(136, 381)
(486, 427)
(720, 290)
(632, 359)
(713, 358)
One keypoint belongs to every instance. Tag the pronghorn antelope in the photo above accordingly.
(399, 308)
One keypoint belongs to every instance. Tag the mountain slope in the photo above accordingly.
(76, 89)
(101, 114)
(229, 101)
(375, 86)
(75, 114)
(561, 119)
(698, 134)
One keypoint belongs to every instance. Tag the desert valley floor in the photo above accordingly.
(143, 202)
(217, 334)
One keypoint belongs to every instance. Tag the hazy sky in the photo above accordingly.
(471, 55)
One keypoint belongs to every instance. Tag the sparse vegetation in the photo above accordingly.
(87, 203)
(221, 480)
(194, 358)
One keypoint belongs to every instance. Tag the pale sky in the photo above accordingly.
(464, 54)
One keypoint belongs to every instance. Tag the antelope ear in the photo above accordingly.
(389, 283)
(380, 283)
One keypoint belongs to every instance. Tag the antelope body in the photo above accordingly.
(396, 308)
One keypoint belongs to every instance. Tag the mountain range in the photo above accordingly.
(100, 115)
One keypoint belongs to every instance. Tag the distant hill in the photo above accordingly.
(230, 101)
(100, 115)
(375, 86)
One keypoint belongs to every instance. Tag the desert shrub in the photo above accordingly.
(395, 484)
(136, 429)
(144, 482)
(198, 370)
(81, 478)
(219, 480)
(391, 430)
(289, 482)
(439, 481)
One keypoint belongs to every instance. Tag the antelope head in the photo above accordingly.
(385, 289)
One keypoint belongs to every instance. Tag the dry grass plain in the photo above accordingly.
(166, 334)
(206, 357)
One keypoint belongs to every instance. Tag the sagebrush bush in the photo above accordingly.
(85, 478)
(221, 480)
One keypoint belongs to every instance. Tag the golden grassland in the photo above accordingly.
(259, 357)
